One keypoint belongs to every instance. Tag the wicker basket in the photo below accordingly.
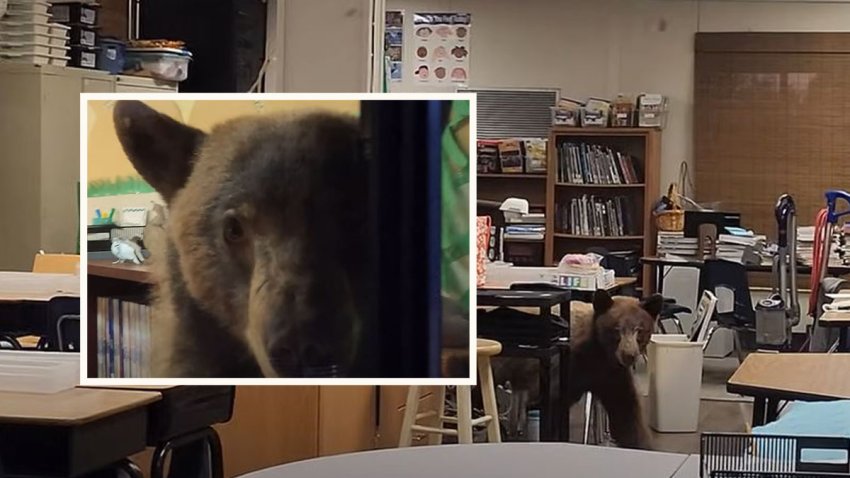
(670, 221)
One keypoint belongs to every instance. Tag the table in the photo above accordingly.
(554, 358)
(71, 433)
(838, 319)
(486, 460)
(37, 287)
(689, 469)
(770, 377)
(659, 263)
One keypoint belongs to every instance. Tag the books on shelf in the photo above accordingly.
(596, 216)
(123, 338)
(583, 163)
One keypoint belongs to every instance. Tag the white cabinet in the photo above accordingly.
(40, 156)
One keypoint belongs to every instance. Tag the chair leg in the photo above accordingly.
(411, 408)
(488, 394)
(13, 342)
(678, 324)
(437, 438)
(464, 414)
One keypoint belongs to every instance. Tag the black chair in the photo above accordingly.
(723, 278)
(68, 333)
(670, 310)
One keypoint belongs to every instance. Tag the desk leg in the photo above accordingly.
(564, 390)
(759, 406)
(550, 406)
(659, 279)
(772, 411)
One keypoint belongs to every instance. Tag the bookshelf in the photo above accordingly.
(532, 186)
(595, 170)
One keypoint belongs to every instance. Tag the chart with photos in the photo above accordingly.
(394, 43)
(441, 52)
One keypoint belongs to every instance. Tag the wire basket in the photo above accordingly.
(767, 456)
(670, 221)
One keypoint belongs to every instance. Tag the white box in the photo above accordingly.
(586, 279)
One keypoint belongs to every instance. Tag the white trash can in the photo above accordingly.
(675, 383)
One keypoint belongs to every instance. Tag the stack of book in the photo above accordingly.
(581, 163)
(806, 244)
(526, 227)
(123, 338)
(596, 216)
(741, 247)
(675, 244)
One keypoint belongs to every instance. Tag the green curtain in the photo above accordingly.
(455, 209)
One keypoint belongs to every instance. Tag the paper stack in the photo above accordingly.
(676, 244)
(525, 227)
(741, 248)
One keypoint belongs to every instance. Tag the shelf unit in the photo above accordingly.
(643, 145)
(531, 186)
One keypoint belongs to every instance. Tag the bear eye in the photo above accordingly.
(233, 231)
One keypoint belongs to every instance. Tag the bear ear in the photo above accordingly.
(161, 149)
(653, 304)
(602, 301)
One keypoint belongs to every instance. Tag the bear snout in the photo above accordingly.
(627, 349)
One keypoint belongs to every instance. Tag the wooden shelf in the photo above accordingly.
(127, 272)
(532, 241)
(597, 131)
(605, 238)
(601, 186)
(512, 176)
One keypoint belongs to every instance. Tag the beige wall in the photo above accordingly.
(603, 47)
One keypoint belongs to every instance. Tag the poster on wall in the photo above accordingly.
(394, 42)
(441, 47)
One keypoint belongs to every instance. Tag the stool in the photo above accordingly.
(484, 350)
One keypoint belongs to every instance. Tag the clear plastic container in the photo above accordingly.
(158, 64)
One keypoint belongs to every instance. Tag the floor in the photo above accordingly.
(719, 411)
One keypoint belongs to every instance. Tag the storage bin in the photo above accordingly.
(111, 55)
(75, 13)
(57, 29)
(564, 116)
(59, 60)
(26, 16)
(83, 57)
(3, 7)
(162, 63)
(82, 36)
(36, 6)
(9, 26)
(55, 41)
(675, 383)
(26, 48)
(26, 58)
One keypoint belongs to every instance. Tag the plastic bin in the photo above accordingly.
(9, 26)
(27, 16)
(110, 57)
(75, 13)
(36, 6)
(162, 63)
(83, 57)
(675, 383)
(83, 36)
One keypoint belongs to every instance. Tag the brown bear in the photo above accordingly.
(606, 338)
(262, 272)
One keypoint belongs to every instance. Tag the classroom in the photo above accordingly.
(658, 190)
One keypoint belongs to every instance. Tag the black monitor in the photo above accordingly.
(694, 219)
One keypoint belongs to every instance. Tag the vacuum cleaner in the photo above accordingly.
(779, 313)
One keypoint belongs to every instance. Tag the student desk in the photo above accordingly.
(769, 378)
(487, 460)
(838, 319)
(30, 302)
(71, 433)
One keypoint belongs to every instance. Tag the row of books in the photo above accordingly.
(123, 338)
(582, 163)
(597, 216)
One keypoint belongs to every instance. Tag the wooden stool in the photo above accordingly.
(485, 349)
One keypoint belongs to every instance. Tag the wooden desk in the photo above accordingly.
(487, 460)
(659, 263)
(35, 287)
(71, 433)
(838, 319)
(121, 271)
(769, 378)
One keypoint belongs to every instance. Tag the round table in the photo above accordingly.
(486, 460)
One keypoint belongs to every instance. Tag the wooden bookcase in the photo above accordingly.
(500, 186)
(644, 146)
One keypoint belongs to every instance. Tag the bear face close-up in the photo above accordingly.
(263, 271)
